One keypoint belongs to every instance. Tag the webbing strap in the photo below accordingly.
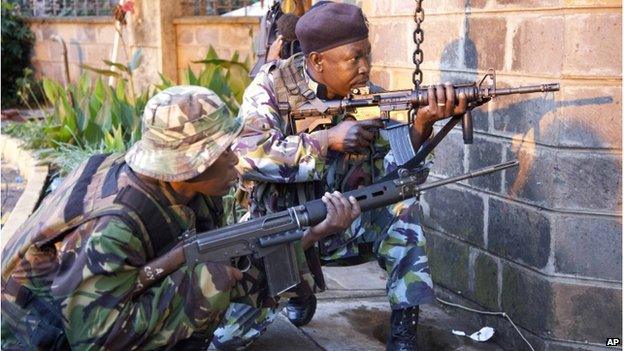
(159, 230)
(110, 181)
(75, 202)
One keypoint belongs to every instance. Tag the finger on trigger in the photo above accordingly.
(462, 104)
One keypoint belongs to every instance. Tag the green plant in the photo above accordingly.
(227, 78)
(30, 90)
(17, 42)
(87, 117)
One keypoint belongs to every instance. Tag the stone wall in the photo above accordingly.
(541, 242)
(89, 40)
(227, 35)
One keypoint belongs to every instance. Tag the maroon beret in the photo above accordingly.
(328, 25)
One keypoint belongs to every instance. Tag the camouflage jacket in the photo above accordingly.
(84, 276)
(280, 169)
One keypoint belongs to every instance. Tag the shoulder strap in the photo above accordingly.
(292, 89)
(159, 227)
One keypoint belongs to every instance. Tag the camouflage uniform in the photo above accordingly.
(69, 272)
(282, 168)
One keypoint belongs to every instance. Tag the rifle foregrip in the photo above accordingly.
(370, 197)
(316, 211)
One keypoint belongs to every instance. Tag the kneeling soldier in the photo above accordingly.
(69, 273)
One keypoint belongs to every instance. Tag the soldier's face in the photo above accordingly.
(342, 68)
(219, 178)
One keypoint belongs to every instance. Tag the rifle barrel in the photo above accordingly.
(479, 172)
(542, 88)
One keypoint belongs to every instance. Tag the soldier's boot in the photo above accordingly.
(403, 325)
(300, 310)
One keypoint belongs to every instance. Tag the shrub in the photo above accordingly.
(17, 42)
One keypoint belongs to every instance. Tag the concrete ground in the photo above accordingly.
(11, 189)
(353, 314)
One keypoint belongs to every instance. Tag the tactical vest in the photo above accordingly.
(292, 90)
(90, 192)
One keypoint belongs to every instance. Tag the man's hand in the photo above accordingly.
(441, 104)
(275, 49)
(340, 214)
(224, 276)
(353, 136)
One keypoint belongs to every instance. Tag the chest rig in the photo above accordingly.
(343, 171)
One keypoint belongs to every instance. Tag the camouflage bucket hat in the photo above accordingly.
(185, 129)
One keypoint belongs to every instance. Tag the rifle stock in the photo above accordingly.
(272, 237)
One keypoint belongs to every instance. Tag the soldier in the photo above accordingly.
(69, 274)
(285, 165)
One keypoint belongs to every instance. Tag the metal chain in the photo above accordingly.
(417, 56)
(419, 36)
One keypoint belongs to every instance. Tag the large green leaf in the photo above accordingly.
(52, 90)
(105, 72)
(117, 65)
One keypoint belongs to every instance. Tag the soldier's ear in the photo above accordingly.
(316, 61)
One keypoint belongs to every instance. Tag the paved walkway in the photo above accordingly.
(353, 314)
(11, 188)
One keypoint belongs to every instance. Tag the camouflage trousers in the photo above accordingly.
(399, 245)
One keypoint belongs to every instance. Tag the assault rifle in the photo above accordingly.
(308, 117)
(272, 237)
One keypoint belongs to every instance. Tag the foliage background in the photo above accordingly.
(17, 45)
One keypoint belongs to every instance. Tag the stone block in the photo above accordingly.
(402, 78)
(590, 117)
(586, 313)
(527, 3)
(520, 233)
(41, 51)
(538, 45)
(76, 52)
(487, 43)
(96, 53)
(566, 180)
(380, 76)
(528, 117)
(206, 35)
(188, 54)
(47, 32)
(527, 298)
(587, 181)
(593, 44)
(480, 118)
(389, 41)
(236, 34)
(486, 280)
(86, 34)
(532, 180)
(185, 36)
(56, 50)
(449, 155)
(588, 246)
(594, 3)
(105, 34)
(482, 153)
(445, 50)
(448, 262)
(455, 211)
